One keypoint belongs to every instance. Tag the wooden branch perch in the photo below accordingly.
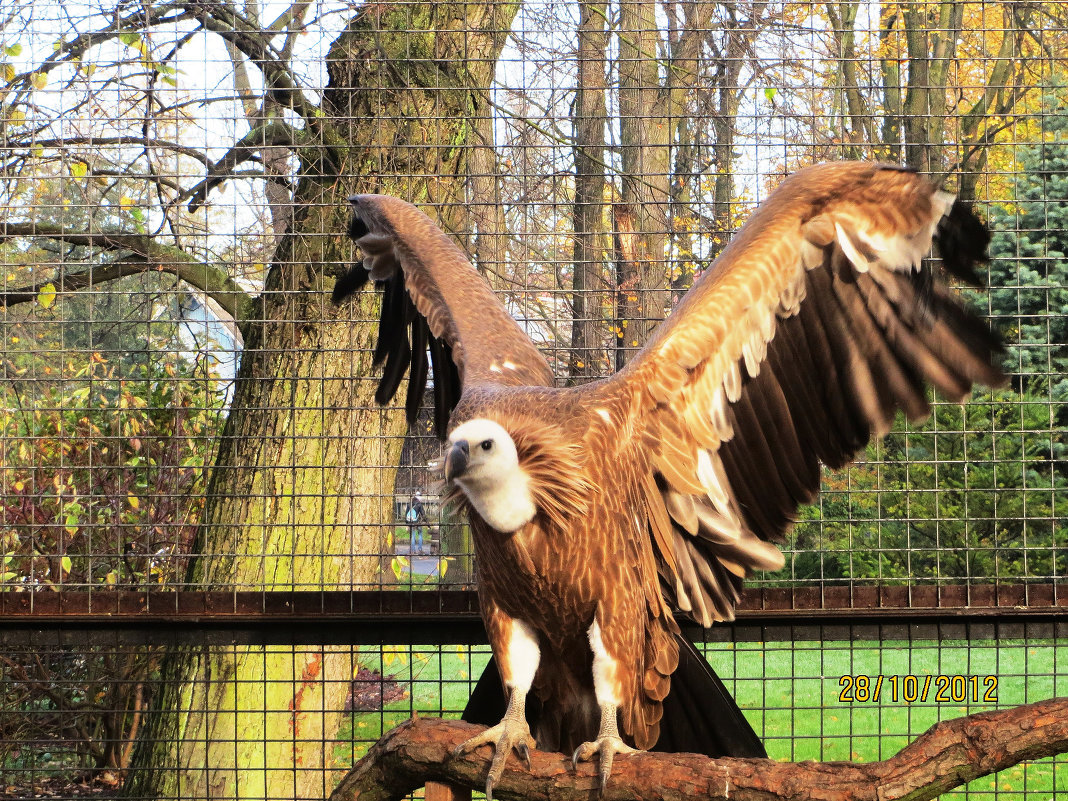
(949, 754)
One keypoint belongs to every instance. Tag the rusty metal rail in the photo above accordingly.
(371, 616)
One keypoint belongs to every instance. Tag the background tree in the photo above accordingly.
(280, 497)
(1029, 269)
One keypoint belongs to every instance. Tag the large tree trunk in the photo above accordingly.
(293, 503)
(590, 237)
(645, 156)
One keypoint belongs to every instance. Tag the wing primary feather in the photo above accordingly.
(442, 400)
(775, 503)
(858, 387)
(965, 342)
(787, 357)
(398, 357)
(389, 322)
(912, 349)
(775, 418)
(744, 479)
(962, 239)
(420, 367)
(350, 283)
(357, 227)
(825, 328)
(894, 383)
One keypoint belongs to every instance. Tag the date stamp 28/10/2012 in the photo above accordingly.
(912, 689)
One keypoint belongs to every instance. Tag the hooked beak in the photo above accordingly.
(456, 459)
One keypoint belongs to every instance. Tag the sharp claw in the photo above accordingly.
(577, 756)
(524, 754)
(489, 788)
(606, 748)
(606, 771)
(607, 756)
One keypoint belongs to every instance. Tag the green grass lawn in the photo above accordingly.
(790, 693)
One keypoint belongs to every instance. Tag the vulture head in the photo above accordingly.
(482, 460)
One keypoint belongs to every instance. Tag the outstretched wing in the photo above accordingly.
(434, 301)
(806, 336)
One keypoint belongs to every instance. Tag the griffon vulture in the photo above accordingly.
(598, 511)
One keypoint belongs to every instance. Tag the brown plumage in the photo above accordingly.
(660, 488)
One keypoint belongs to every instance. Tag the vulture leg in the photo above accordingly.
(607, 745)
(517, 652)
(606, 687)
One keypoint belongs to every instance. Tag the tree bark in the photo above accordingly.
(856, 118)
(645, 157)
(290, 502)
(725, 98)
(586, 356)
(948, 755)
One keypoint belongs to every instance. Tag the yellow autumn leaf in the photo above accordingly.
(78, 169)
(133, 501)
(39, 80)
(46, 296)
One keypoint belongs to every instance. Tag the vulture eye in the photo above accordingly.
(487, 444)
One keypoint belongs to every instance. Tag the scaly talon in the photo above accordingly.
(607, 745)
(510, 733)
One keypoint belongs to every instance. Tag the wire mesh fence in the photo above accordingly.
(185, 412)
(812, 691)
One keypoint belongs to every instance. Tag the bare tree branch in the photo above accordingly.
(145, 255)
(74, 49)
(114, 141)
(948, 755)
(281, 85)
(273, 134)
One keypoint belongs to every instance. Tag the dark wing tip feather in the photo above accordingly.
(357, 227)
(355, 279)
(397, 316)
(350, 283)
(419, 369)
(962, 239)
